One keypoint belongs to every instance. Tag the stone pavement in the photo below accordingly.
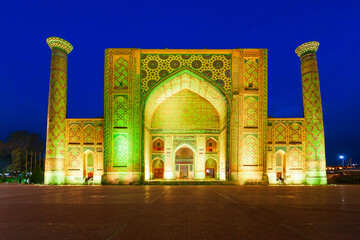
(179, 212)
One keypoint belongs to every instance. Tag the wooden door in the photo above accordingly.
(184, 172)
(210, 172)
(158, 172)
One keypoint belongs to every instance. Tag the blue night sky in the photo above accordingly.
(92, 26)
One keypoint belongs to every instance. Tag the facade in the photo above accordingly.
(185, 115)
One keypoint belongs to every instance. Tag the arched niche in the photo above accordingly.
(185, 161)
(89, 164)
(190, 84)
(210, 168)
(189, 81)
(158, 145)
(280, 164)
(158, 168)
(211, 145)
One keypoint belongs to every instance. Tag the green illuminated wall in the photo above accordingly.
(121, 123)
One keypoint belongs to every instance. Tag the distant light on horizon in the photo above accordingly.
(341, 156)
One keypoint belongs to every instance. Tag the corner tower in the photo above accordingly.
(314, 128)
(56, 124)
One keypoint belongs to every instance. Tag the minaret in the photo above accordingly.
(314, 128)
(56, 125)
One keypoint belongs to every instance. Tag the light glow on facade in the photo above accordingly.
(162, 108)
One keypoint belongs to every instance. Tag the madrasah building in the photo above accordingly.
(185, 115)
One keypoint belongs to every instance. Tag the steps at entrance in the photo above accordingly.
(164, 182)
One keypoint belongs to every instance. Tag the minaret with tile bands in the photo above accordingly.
(315, 162)
(56, 124)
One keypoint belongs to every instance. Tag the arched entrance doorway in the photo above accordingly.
(88, 165)
(210, 168)
(184, 160)
(185, 109)
(280, 159)
(158, 169)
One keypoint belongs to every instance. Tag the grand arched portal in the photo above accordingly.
(185, 112)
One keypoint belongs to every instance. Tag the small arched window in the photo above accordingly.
(211, 145)
(158, 145)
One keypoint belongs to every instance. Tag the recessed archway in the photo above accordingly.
(185, 106)
(190, 81)
(88, 164)
(211, 145)
(280, 162)
(184, 160)
(158, 168)
(158, 145)
(210, 168)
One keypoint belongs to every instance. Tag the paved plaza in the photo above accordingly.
(179, 212)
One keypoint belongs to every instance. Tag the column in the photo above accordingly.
(314, 128)
(56, 124)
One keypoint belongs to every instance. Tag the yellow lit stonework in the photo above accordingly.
(187, 115)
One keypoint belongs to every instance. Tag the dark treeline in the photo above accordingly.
(21, 151)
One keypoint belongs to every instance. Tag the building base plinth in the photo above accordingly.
(250, 178)
(54, 177)
(121, 177)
